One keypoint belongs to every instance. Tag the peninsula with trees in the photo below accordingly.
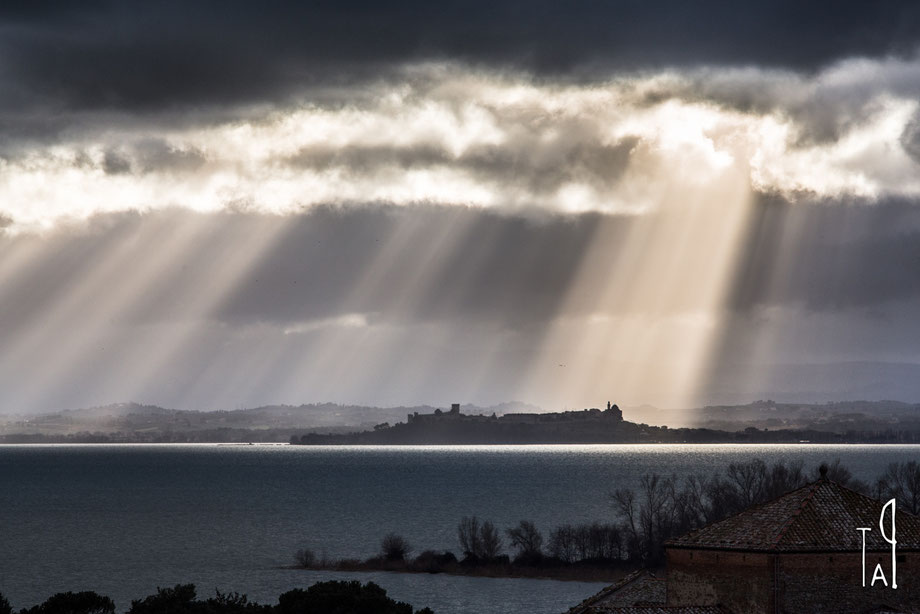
(644, 521)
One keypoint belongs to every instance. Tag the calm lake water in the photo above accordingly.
(125, 519)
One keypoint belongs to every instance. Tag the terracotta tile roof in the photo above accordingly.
(820, 517)
(640, 587)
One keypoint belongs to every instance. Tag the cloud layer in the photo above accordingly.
(448, 134)
(139, 57)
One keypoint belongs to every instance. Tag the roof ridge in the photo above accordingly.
(613, 588)
(870, 497)
(804, 519)
(750, 508)
(798, 512)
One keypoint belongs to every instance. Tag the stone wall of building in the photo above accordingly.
(814, 583)
(833, 582)
(741, 582)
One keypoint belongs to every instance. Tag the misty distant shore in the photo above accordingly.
(507, 423)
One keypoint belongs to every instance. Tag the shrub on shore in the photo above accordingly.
(85, 602)
(181, 599)
(394, 547)
(342, 598)
(326, 597)
(432, 562)
(305, 558)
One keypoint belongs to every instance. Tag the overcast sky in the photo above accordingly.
(220, 205)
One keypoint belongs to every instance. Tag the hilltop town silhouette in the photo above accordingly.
(591, 425)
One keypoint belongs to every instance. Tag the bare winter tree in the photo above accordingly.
(527, 539)
(562, 543)
(749, 481)
(468, 534)
(490, 540)
(305, 558)
(649, 518)
(836, 472)
(604, 541)
(782, 478)
(901, 481)
(480, 540)
(395, 547)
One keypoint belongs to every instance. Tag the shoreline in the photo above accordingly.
(459, 446)
(575, 573)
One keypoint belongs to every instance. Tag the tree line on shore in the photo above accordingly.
(642, 520)
(334, 597)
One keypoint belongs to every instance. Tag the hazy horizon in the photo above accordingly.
(511, 405)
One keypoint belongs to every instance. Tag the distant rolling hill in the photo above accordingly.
(138, 422)
(134, 422)
(832, 417)
(815, 383)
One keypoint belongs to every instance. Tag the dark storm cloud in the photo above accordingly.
(910, 138)
(156, 155)
(148, 156)
(821, 113)
(527, 159)
(113, 163)
(138, 56)
(369, 158)
(829, 256)
(822, 105)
